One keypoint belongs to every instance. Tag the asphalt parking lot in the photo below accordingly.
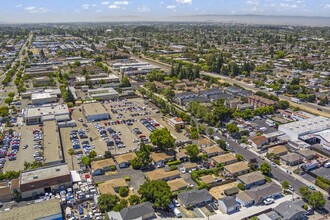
(23, 154)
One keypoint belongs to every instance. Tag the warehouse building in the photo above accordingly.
(44, 180)
(312, 130)
(95, 112)
(39, 114)
(103, 94)
(43, 98)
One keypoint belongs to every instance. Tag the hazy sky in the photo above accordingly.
(98, 10)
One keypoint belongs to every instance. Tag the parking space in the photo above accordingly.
(264, 126)
(24, 154)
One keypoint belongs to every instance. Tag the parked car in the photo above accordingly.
(311, 187)
(268, 201)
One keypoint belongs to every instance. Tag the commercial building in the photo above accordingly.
(103, 94)
(42, 180)
(48, 209)
(43, 98)
(41, 81)
(52, 145)
(95, 112)
(176, 123)
(102, 78)
(39, 114)
(311, 130)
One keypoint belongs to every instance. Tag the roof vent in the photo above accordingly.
(35, 177)
(58, 169)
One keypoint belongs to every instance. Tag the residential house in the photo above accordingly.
(161, 174)
(112, 186)
(244, 199)
(279, 150)
(258, 194)
(182, 156)
(292, 159)
(228, 205)
(190, 166)
(177, 184)
(207, 179)
(99, 167)
(258, 101)
(160, 159)
(307, 154)
(141, 211)
(252, 179)
(224, 159)
(288, 210)
(258, 141)
(212, 151)
(272, 215)
(194, 197)
(237, 169)
(124, 160)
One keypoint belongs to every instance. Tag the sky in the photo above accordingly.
(26, 11)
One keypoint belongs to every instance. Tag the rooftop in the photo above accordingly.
(125, 157)
(224, 158)
(108, 186)
(251, 177)
(100, 164)
(95, 108)
(280, 149)
(55, 109)
(52, 146)
(177, 184)
(237, 167)
(159, 174)
(44, 173)
(44, 95)
(34, 211)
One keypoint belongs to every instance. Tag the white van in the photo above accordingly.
(327, 165)
(177, 213)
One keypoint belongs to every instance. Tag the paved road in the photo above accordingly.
(278, 174)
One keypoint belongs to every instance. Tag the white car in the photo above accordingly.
(176, 203)
(182, 170)
(268, 201)
(273, 164)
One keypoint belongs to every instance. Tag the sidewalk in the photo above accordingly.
(244, 212)
(298, 177)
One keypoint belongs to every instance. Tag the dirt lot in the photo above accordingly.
(217, 192)
(23, 154)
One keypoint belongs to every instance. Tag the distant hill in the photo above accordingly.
(255, 19)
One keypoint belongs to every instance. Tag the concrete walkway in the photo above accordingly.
(244, 212)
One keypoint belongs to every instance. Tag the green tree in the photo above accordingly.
(11, 94)
(119, 206)
(265, 168)
(232, 128)
(192, 151)
(125, 82)
(305, 192)
(106, 202)
(136, 163)
(92, 154)
(107, 154)
(71, 153)
(134, 200)
(162, 138)
(210, 131)
(123, 191)
(316, 200)
(69, 96)
(86, 160)
(156, 192)
(239, 157)
(285, 185)
(222, 144)
(4, 111)
(169, 93)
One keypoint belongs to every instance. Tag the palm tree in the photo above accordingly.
(71, 153)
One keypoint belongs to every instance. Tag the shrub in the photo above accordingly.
(241, 186)
(305, 206)
(176, 162)
(123, 191)
(127, 178)
(173, 167)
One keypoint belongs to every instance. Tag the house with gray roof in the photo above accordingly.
(252, 179)
(228, 205)
(194, 197)
(288, 210)
(141, 211)
(269, 190)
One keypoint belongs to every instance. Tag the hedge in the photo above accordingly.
(176, 162)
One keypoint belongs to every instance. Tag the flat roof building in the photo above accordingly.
(52, 146)
(43, 98)
(39, 114)
(45, 179)
(103, 93)
(95, 112)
